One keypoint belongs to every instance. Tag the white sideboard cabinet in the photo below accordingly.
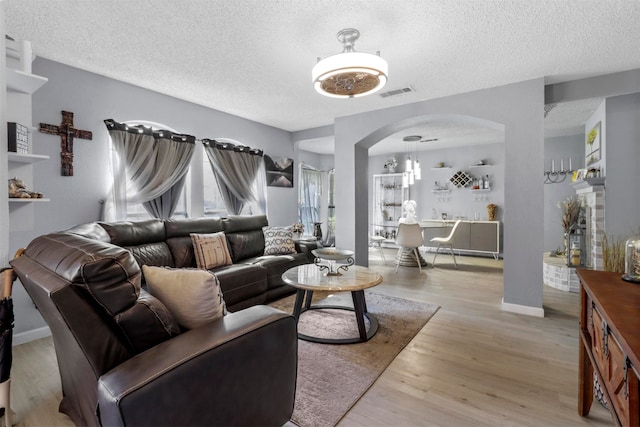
(471, 236)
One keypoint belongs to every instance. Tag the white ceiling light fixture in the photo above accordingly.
(349, 74)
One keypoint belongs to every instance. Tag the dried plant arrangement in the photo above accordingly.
(570, 209)
(613, 253)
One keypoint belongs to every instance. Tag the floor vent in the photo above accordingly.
(397, 92)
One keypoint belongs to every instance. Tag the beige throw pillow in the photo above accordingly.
(193, 296)
(278, 241)
(211, 250)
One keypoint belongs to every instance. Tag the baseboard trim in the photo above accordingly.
(523, 309)
(32, 335)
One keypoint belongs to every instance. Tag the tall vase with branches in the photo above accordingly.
(570, 211)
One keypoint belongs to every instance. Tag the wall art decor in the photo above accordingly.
(67, 132)
(593, 145)
(279, 171)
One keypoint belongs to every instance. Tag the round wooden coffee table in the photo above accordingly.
(308, 278)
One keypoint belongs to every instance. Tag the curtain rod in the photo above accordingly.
(144, 130)
(229, 146)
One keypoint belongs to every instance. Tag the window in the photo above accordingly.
(309, 196)
(213, 201)
(136, 212)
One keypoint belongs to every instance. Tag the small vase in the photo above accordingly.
(317, 230)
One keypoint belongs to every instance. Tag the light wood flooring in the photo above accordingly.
(471, 365)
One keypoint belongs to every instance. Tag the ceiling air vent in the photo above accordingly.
(397, 92)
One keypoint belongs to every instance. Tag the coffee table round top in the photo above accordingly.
(309, 277)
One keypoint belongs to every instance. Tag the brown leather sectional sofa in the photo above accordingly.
(123, 362)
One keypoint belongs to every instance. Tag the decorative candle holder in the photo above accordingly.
(327, 259)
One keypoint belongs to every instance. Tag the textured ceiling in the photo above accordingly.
(253, 58)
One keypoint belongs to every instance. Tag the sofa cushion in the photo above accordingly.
(157, 254)
(182, 227)
(245, 244)
(244, 234)
(182, 251)
(127, 233)
(278, 241)
(276, 265)
(108, 278)
(211, 250)
(240, 282)
(238, 223)
(147, 322)
(193, 296)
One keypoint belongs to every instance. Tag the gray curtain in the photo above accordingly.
(165, 205)
(309, 196)
(149, 167)
(239, 173)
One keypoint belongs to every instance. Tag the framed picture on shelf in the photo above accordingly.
(592, 145)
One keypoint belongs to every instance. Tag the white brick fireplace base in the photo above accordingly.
(557, 275)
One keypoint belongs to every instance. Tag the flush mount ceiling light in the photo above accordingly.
(349, 74)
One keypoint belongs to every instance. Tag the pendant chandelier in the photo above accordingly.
(412, 171)
(349, 74)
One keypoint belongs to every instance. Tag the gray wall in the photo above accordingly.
(94, 98)
(622, 154)
(555, 149)
(514, 108)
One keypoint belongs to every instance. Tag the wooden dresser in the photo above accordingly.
(610, 344)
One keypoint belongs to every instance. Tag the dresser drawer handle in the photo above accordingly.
(605, 338)
(627, 362)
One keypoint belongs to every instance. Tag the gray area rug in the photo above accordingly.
(331, 378)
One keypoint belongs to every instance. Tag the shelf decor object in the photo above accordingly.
(18, 138)
(554, 176)
(460, 179)
(632, 260)
(67, 132)
(327, 259)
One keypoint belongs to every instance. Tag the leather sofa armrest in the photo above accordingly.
(305, 247)
(239, 370)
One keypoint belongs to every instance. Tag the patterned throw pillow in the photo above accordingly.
(211, 250)
(192, 296)
(278, 241)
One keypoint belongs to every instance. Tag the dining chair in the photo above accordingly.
(376, 242)
(446, 241)
(409, 239)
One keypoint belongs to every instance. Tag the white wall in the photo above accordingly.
(555, 149)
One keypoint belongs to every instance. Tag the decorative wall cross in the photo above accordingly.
(67, 132)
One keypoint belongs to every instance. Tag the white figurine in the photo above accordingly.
(409, 212)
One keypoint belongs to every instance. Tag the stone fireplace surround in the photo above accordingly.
(556, 273)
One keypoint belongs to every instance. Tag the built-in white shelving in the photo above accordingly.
(25, 200)
(26, 158)
(19, 81)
